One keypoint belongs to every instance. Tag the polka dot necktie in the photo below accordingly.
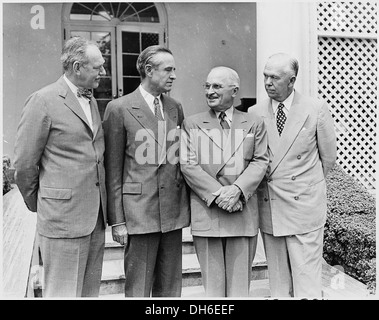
(157, 110)
(223, 122)
(280, 118)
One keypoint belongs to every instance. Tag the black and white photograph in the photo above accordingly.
(183, 151)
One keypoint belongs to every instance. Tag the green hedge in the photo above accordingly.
(349, 237)
(6, 181)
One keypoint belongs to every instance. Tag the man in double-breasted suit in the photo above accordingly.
(59, 155)
(223, 158)
(292, 195)
(148, 201)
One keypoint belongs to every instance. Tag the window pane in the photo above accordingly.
(83, 34)
(101, 105)
(103, 39)
(130, 84)
(125, 11)
(130, 42)
(149, 39)
(129, 65)
(108, 65)
(104, 90)
(147, 12)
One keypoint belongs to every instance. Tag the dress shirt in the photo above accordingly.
(149, 98)
(229, 115)
(287, 104)
(84, 102)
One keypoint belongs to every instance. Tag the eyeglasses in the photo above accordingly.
(216, 87)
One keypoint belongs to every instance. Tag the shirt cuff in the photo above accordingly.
(118, 224)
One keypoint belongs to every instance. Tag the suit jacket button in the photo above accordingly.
(299, 156)
(293, 178)
(265, 199)
(296, 198)
(97, 184)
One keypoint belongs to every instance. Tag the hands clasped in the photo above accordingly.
(120, 234)
(228, 198)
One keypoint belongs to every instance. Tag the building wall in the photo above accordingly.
(30, 60)
(201, 36)
(205, 35)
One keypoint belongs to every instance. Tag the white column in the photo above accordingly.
(290, 28)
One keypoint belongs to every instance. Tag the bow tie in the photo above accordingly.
(82, 92)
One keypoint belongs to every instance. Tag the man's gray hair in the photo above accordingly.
(75, 50)
(232, 75)
(292, 62)
(147, 57)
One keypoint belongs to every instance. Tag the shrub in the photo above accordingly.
(349, 237)
(6, 181)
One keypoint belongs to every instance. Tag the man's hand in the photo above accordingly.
(120, 234)
(227, 197)
(237, 207)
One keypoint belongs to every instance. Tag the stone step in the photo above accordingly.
(115, 251)
(336, 285)
(258, 289)
(113, 277)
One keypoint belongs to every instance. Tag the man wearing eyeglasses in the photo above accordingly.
(223, 159)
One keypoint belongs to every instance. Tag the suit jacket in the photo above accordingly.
(292, 195)
(147, 193)
(210, 160)
(59, 162)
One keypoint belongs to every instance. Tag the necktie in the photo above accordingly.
(157, 110)
(280, 118)
(83, 92)
(223, 122)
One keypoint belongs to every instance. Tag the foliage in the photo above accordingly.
(6, 181)
(349, 237)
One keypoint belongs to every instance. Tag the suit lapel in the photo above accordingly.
(296, 118)
(208, 126)
(171, 118)
(96, 120)
(142, 113)
(71, 102)
(238, 131)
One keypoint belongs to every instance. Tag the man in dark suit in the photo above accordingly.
(223, 159)
(148, 201)
(59, 170)
(292, 196)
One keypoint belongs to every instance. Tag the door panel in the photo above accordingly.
(130, 44)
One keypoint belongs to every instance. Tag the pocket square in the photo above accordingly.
(250, 135)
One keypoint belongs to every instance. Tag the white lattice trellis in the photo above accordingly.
(347, 79)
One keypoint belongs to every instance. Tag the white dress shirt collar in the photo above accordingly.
(228, 113)
(287, 104)
(149, 98)
(84, 102)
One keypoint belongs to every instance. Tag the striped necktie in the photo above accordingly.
(157, 110)
(223, 122)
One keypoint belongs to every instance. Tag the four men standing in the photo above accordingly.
(224, 156)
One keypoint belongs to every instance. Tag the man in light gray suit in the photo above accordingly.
(59, 155)
(223, 158)
(292, 195)
(148, 201)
